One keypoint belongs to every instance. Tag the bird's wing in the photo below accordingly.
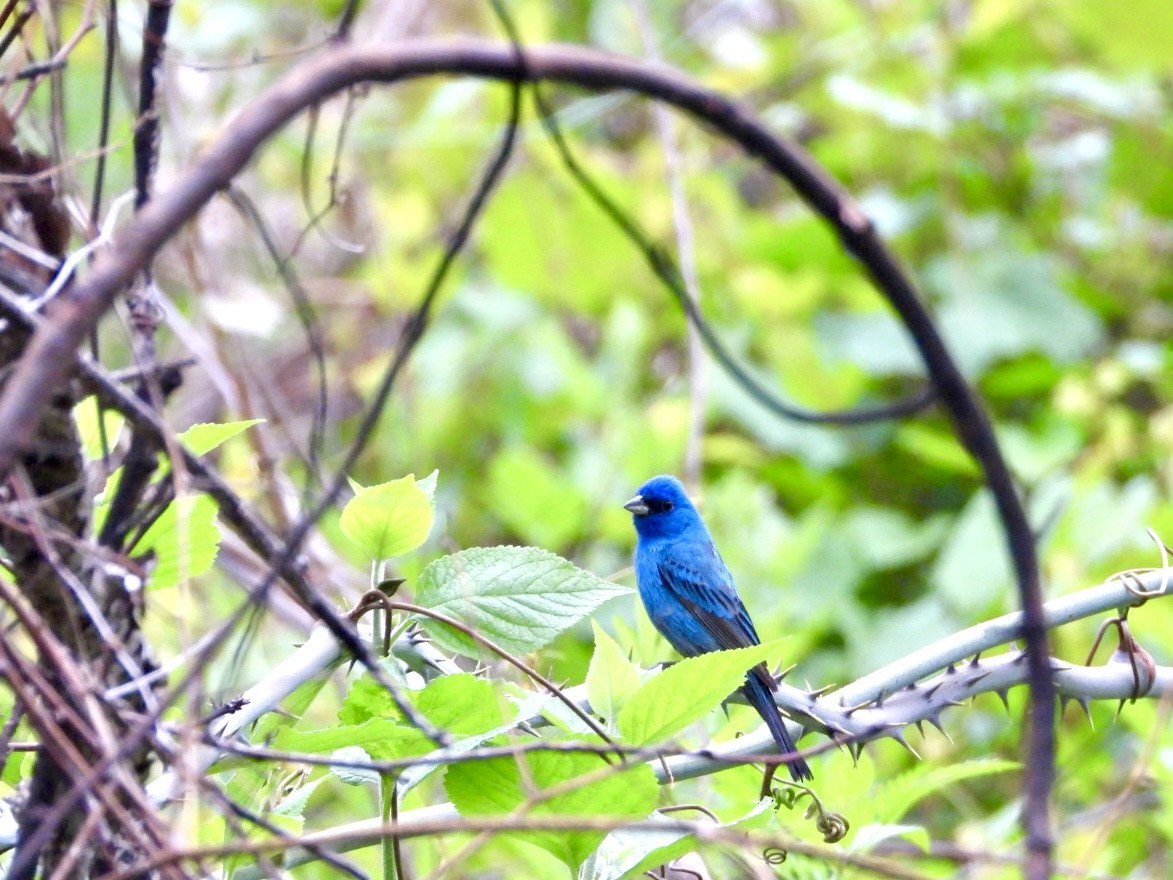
(702, 583)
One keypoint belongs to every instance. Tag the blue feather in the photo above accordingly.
(690, 597)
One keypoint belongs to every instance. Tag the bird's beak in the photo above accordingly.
(637, 505)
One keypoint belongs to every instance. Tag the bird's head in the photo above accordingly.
(661, 508)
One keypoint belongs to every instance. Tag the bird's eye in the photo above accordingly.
(660, 505)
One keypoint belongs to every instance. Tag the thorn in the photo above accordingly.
(1064, 700)
(950, 669)
(936, 722)
(819, 691)
(856, 751)
(899, 737)
(879, 703)
(1087, 710)
(976, 659)
(1060, 665)
(980, 677)
(781, 676)
(954, 702)
(1020, 658)
(911, 686)
(1004, 696)
(932, 690)
(920, 727)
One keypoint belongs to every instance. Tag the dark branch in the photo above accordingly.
(51, 353)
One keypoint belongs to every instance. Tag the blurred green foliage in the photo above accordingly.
(1016, 156)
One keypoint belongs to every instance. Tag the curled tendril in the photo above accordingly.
(833, 826)
(774, 855)
(784, 797)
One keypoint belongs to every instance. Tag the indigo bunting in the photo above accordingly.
(690, 597)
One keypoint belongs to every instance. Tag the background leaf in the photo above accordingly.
(611, 678)
(389, 519)
(184, 540)
(203, 438)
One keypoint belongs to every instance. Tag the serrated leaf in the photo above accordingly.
(353, 775)
(611, 677)
(687, 691)
(365, 700)
(294, 803)
(428, 484)
(203, 438)
(184, 539)
(389, 519)
(519, 597)
(498, 787)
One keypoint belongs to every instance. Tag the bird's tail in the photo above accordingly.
(758, 694)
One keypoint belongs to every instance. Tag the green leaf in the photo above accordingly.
(611, 677)
(1010, 303)
(871, 836)
(629, 853)
(294, 803)
(519, 597)
(184, 539)
(428, 484)
(533, 498)
(523, 710)
(365, 700)
(353, 775)
(899, 795)
(85, 415)
(687, 691)
(882, 537)
(389, 519)
(972, 572)
(499, 787)
(203, 438)
(937, 447)
(380, 737)
(462, 704)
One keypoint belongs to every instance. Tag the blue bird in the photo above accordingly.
(690, 597)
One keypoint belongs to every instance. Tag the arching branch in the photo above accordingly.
(50, 355)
